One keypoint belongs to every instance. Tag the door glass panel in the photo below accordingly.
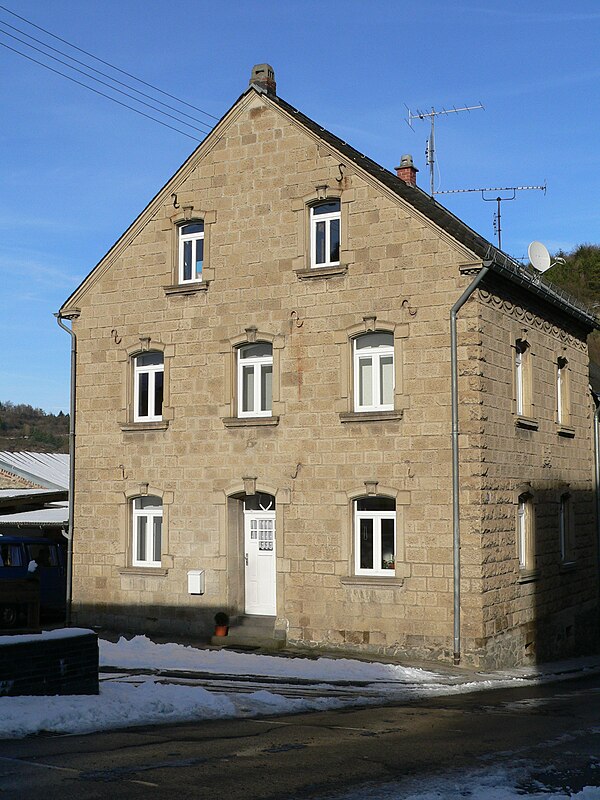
(199, 257)
(365, 382)
(158, 393)
(334, 240)
(141, 539)
(187, 261)
(387, 544)
(320, 243)
(247, 388)
(143, 394)
(366, 544)
(266, 388)
(156, 544)
(386, 377)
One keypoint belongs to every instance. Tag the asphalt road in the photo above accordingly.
(318, 755)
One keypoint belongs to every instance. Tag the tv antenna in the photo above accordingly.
(499, 199)
(430, 146)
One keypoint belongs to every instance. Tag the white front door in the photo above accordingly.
(259, 550)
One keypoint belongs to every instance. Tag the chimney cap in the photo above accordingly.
(406, 161)
(262, 78)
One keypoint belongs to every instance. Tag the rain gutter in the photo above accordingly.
(69, 535)
(455, 450)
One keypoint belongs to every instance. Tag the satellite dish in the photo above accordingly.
(539, 256)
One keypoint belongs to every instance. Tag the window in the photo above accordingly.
(255, 380)
(147, 531)
(522, 373)
(10, 555)
(325, 234)
(562, 391)
(374, 372)
(191, 252)
(565, 530)
(525, 532)
(375, 536)
(148, 386)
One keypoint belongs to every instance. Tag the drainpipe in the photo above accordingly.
(59, 319)
(455, 451)
(597, 475)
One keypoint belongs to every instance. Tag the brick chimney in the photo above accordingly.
(407, 171)
(263, 78)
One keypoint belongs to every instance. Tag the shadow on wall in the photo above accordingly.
(158, 621)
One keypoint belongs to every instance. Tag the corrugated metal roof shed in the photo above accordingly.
(50, 470)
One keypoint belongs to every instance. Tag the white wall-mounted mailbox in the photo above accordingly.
(196, 581)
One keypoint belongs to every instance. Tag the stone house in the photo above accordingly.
(264, 393)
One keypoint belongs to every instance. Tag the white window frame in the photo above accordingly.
(327, 219)
(194, 238)
(375, 355)
(519, 378)
(150, 516)
(151, 370)
(562, 389)
(376, 517)
(525, 532)
(565, 529)
(257, 364)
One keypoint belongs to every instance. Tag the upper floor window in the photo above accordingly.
(374, 372)
(375, 536)
(255, 380)
(191, 252)
(148, 386)
(147, 531)
(566, 530)
(523, 383)
(562, 391)
(325, 234)
(525, 532)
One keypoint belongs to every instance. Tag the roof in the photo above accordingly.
(500, 263)
(49, 470)
(51, 516)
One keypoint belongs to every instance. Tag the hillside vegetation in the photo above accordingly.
(23, 427)
(580, 276)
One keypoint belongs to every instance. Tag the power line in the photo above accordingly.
(107, 63)
(102, 83)
(99, 72)
(97, 91)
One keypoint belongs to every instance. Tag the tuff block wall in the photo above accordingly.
(398, 272)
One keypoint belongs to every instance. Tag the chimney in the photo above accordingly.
(407, 171)
(263, 79)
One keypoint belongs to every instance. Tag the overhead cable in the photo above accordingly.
(103, 83)
(97, 91)
(99, 72)
(107, 63)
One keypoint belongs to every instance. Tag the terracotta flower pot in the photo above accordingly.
(221, 630)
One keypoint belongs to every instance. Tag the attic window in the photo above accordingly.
(191, 251)
(325, 221)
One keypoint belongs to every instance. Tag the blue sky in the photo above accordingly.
(76, 169)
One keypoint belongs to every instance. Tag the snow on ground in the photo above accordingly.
(147, 700)
(490, 784)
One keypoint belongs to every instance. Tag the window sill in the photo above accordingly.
(528, 575)
(526, 422)
(137, 427)
(567, 566)
(371, 416)
(159, 572)
(250, 422)
(187, 288)
(321, 272)
(566, 431)
(367, 581)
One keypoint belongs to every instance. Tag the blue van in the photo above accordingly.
(37, 558)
